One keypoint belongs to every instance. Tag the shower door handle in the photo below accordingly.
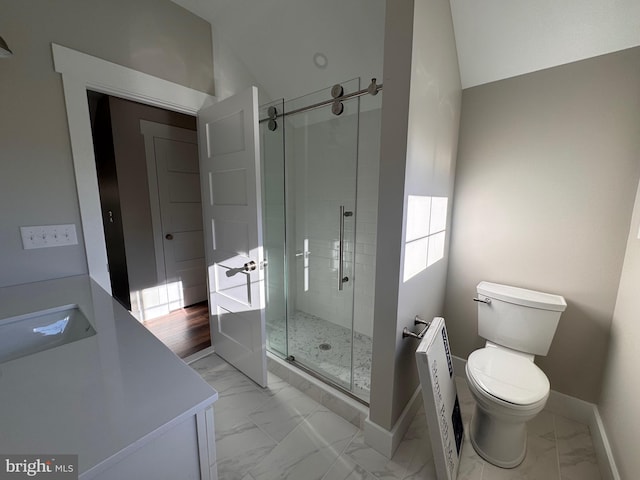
(341, 277)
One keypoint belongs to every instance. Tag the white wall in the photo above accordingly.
(546, 176)
(499, 39)
(230, 73)
(37, 184)
(621, 390)
(421, 109)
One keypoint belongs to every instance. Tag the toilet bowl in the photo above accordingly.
(508, 387)
(509, 390)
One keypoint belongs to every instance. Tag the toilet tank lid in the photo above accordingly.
(522, 296)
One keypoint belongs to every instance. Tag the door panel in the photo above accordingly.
(232, 236)
(229, 187)
(184, 187)
(230, 175)
(183, 217)
(178, 221)
(188, 246)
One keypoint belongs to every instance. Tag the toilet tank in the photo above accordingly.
(524, 320)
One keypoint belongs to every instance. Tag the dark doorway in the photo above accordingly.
(134, 240)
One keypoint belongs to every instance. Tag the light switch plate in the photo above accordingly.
(48, 236)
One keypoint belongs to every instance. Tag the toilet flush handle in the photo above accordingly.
(483, 300)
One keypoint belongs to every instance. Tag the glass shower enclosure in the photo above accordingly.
(310, 168)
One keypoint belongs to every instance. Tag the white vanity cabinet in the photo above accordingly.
(185, 451)
(119, 399)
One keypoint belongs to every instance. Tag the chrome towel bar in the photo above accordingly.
(416, 321)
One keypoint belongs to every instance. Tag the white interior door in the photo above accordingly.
(176, 210)
(231, 196)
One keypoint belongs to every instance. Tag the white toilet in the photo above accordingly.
(509, 389)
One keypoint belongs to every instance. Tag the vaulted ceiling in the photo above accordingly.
(293, 47)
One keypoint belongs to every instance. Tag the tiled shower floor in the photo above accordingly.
(308, 335)
(280, 433)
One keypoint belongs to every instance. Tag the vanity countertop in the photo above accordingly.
(100, 397)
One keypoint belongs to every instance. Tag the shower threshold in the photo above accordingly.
(330, 382)
(353, 410)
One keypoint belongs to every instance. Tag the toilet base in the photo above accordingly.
(499, 442)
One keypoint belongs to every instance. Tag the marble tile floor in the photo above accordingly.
(306, 335)
(280, 433)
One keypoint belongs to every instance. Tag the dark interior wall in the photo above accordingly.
(133, 188)
(109, 196)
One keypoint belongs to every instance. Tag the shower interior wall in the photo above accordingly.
(322, 300)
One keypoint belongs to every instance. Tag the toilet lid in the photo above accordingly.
(508, 376)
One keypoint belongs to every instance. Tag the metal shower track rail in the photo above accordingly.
(372, 89)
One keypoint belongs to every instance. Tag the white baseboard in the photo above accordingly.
(384, 441)
(604, 453)
(579, 411)
(570, 407)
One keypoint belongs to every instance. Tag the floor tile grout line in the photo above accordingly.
(340, 455)
(304, 417)
(265, 432)
(284, 393)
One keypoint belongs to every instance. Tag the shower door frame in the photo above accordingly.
(287, 356)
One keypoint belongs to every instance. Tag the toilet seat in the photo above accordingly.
(507, 376)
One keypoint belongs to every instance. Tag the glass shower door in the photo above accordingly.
(321, 165)
(272, 163)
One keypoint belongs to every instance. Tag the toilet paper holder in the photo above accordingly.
(416, 321)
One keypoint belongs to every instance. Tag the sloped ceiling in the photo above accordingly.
(496, 39)
(499, 39)
(277, 40)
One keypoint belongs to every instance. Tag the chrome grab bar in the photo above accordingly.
(341, 278)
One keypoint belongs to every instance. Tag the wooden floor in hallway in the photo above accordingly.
(184, 331)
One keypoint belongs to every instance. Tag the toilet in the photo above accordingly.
(508, 387)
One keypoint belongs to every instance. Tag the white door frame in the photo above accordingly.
(82, 72)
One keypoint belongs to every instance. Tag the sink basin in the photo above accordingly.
(35, 332)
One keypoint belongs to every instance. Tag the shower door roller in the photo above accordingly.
(250, 266)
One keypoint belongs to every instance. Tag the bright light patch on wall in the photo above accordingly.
(418, 213)
(425, 233)
(415, 257)
(438, 215)
(436, 248)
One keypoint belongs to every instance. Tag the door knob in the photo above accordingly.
(250, 266)
(168, 236)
